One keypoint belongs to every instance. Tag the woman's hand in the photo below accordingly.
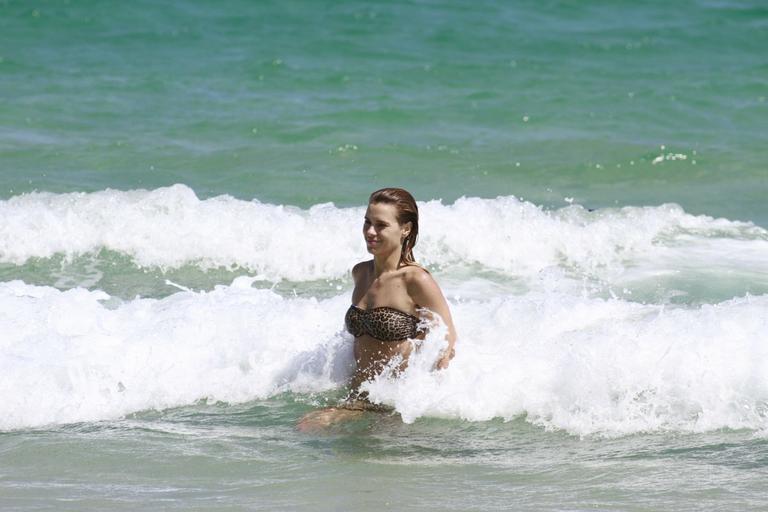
(445, 359)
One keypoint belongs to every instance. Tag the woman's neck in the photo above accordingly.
(382, 264)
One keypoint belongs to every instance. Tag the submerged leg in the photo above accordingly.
(320, 420)
(353, 408)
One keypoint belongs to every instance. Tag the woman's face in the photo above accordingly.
(381, 230)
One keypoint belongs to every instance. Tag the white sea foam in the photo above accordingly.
(597, 366)
(170, 227)
(67, 357)
(581, 364)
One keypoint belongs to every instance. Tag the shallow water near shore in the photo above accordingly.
(181, 195)
(223, 457)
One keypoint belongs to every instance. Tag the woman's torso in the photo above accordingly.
(381, 307)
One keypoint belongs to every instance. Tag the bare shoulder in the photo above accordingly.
(361, 269)
(414, 271)
(417, 278)
(425, 291)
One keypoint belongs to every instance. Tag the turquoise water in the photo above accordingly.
(251, 98)
(181, 188)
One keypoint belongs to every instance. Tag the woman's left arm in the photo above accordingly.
(426, 293)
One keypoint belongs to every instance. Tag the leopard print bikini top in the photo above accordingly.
(382, 323)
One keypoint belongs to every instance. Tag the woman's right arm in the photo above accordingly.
(358, 274)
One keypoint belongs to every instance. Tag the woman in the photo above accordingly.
(391, 294)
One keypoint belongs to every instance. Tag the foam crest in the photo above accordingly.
(521, 238)
(170, 227)
(580, 364)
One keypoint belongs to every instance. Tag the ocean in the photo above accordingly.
(182, 186)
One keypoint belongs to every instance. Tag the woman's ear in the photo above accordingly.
(406, 228)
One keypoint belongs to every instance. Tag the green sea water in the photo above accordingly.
(540, 100)
(596, 104)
